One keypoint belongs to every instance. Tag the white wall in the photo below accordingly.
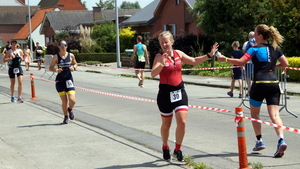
(37, 37)
(10, 3)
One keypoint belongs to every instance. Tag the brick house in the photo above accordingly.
(57, 21)
(37, 17)
(13, 16)
(160, 15)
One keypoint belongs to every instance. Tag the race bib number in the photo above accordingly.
(16, 70)
(69, 83)
(142, 59)
(175, 96)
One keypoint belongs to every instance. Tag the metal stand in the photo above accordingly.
(282, 77)
(48, 59)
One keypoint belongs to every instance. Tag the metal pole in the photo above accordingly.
(117, 36)
(29, 21)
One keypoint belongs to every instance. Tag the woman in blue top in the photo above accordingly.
(66, 64)
(141, 53)
(265, 82)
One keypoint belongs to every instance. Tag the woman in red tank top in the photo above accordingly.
(172, 96)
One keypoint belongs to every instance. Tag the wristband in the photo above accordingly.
(208, 55)
(162, 65)
(226, 59)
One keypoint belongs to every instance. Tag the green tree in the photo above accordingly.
(105, 36)
(62, 35)
(226, 21)
(287, 21)
(108, 4)
(130, 5)
(126, 38)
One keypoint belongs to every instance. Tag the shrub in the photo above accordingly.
(207, 64)
(101, 57)
(294, 74)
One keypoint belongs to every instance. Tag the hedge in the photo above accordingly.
(294, 74)
(101, 57)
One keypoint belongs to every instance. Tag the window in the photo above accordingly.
(177, 2)
(1, 42)
(171, 28)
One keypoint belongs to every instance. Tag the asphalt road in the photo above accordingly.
(119, 100)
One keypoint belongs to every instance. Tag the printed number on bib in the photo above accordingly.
(69, 83)
(142, 59)
(175, 96)
(16, 70)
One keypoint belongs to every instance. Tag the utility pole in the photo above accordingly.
(29, 22)
(117, 36)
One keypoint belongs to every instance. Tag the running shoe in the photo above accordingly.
(259, 145)
(20, 100)
(281, 147)
(230, 94)
(66, 120)
(178, 154)
(166, 154)
(71, 114)
(140, 83)
(240, 96)
(13, 99)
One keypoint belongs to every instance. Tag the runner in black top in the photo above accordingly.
(14, 56)
(265, 83)
(7, 47)
(66, 63)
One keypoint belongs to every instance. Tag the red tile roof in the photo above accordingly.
(36, 20)
(71, 5)
(22, 1)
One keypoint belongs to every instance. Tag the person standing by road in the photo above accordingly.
(265, 83)
(141, 53)
(38, 55)
(236, 72)
(249, 66)
(7, 47)
(66, 63)
(171, 95)
(27, 57)
(14, 56)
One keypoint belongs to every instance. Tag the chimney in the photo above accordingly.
(97, 13)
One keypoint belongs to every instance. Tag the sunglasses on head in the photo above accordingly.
(63, 44)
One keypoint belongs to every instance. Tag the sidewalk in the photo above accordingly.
(32, 138)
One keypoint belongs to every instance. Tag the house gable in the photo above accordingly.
(173, 15)
(47, 5)
(62, 4)
(23, 33)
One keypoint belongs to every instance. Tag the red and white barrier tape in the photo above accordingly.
(274, 125)
(210, 68)
(293, 68)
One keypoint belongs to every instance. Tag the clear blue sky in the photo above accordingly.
(91, 3)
